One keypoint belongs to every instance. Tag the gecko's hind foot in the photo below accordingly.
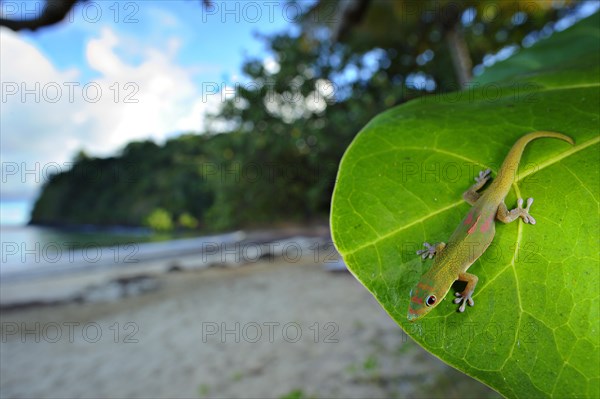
(483, 176)
(464, 298)
(527, 218)
(430, 250)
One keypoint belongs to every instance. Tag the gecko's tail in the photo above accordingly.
(509, 167)
(539, 134)
(514, 155)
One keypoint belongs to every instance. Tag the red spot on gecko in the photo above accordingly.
(472, 229)
(487, 224)
(416, 299)
(469, 219)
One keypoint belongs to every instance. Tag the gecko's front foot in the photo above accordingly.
(430, 250)
(464, 297)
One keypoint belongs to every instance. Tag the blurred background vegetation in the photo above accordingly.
(270, 154)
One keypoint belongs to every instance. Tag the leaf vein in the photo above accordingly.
(582, 183)
(406, 226)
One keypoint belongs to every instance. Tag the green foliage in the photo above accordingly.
(187, 221)
(414, 35)
(533, 331)
(125, 189)
(370, 363)
(203, 390)
(545, 57)
(294, 394)
(159, 220)
(293, 124)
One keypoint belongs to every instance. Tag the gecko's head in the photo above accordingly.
(423, 298)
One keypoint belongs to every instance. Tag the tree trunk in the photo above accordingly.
(459, 52)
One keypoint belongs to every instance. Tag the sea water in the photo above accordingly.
(27, 250)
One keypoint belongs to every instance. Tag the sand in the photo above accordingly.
(270, 329)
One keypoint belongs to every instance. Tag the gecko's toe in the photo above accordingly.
(423, 253)
(463, 299)
(483, 175)
(524, 212)
(528, 205)
(428, 252)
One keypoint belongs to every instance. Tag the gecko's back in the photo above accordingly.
(469, 241)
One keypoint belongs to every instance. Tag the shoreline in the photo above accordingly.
(132, 269)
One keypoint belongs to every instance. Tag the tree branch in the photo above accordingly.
(54, 12)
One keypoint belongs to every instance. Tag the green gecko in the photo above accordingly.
(473, 235)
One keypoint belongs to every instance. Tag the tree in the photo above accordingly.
(457, 33)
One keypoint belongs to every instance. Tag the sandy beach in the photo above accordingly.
(273, 329)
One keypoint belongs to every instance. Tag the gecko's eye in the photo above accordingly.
(430, 301)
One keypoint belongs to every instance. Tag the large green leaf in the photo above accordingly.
(534, 331)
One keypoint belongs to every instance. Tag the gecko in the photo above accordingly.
(473, 235)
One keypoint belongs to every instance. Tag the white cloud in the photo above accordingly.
(154, 98)
(31, 136)
(100, 53)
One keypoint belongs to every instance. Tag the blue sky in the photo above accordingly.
(215, 38)
(114, 72)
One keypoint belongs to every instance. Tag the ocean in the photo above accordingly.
(34, 250)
